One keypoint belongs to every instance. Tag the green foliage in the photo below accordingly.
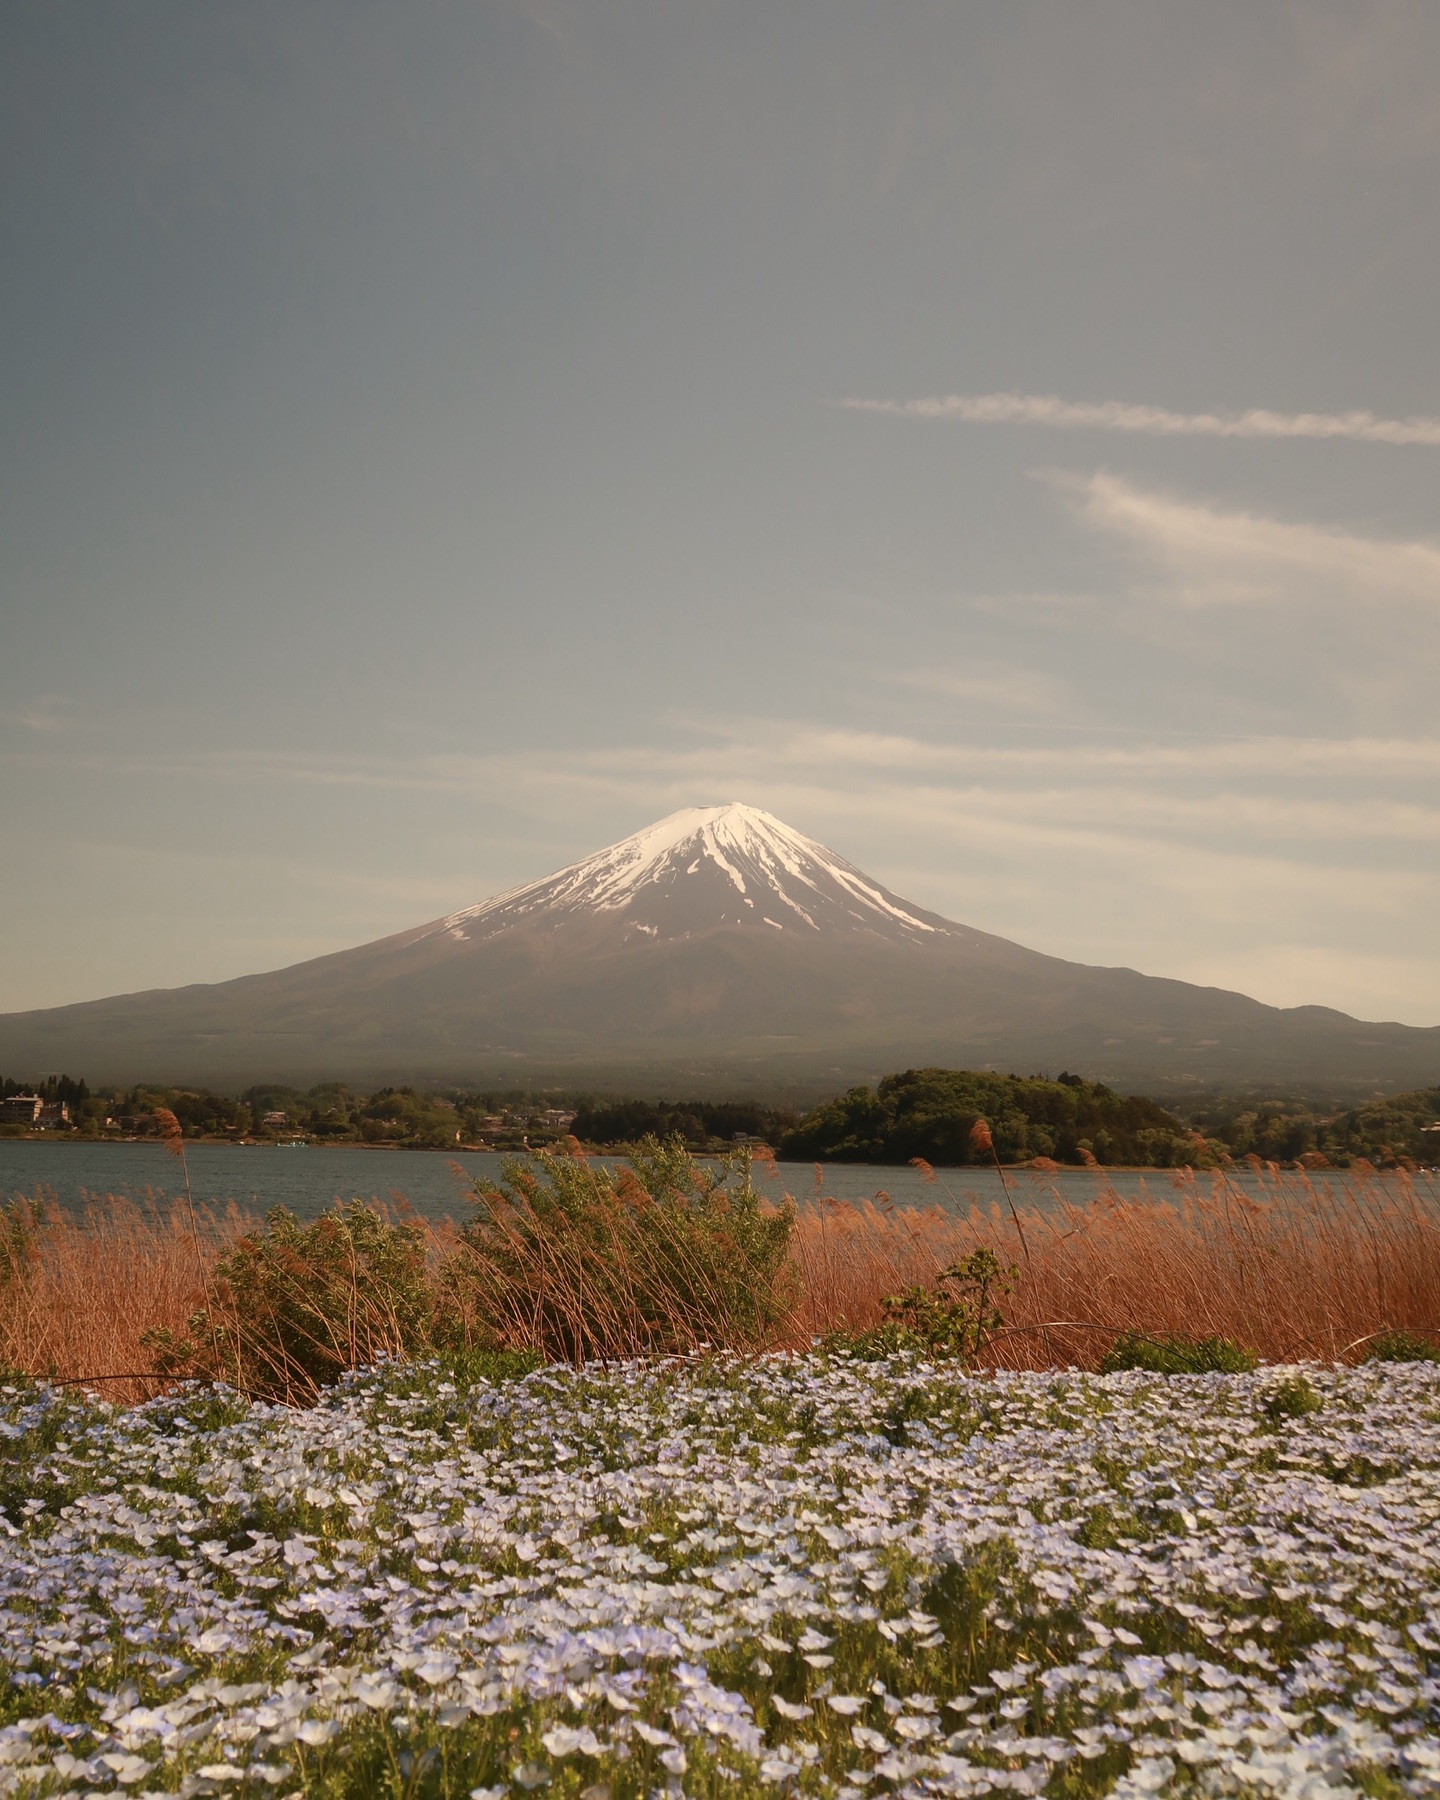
(1402, 1347)
(1295, 1398)
(661, 1255)
(294, 1306)
(48, 1087)
(333, 1112)
(928, 1113)
(470, 1366)
(1379, 1784)
(1385, 1131)
(955, 1318)
(401, 1115)
(1176, 1354)
(204, 1114)
(200, 1113)
(1393, 1131)
(563, 1260)
(702, 1124)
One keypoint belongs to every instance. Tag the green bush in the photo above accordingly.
(1294, 1398)
(953, 1319)
(1402, 1347)
(659, 1256)
(292, 1307)
(470, 1367)
(564, 1261)
(1176, 1354)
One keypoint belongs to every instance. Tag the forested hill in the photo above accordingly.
(703, 1124)
(929, 1113)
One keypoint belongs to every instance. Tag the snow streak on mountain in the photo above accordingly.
(703, 867)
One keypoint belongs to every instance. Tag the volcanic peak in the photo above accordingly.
(702, 867)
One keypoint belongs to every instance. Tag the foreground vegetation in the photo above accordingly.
(562, 1257)
(784, 1575)
(644, 1482)
(571, 1258)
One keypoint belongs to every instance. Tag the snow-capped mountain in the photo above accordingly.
(702, 867)
(719, 949)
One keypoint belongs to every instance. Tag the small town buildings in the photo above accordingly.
(34, 1111)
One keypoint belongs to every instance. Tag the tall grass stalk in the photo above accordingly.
(172, 1136)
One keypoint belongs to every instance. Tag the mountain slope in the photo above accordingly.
(717, 947)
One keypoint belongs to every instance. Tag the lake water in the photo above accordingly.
(310, 1179)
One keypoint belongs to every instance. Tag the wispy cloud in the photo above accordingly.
(45, 713)
(1223, 555)
(1009, 687)
(1155, 421)
(747, 750)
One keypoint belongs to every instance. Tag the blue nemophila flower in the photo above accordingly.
(655, 1565)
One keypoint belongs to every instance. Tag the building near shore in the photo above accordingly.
(33, 1110)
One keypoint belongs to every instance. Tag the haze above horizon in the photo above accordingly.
(1000, 444)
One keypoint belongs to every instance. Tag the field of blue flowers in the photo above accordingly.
(780, 1575)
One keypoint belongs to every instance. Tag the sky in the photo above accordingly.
(1001, 440)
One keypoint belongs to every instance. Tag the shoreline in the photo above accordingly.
(72, 1140)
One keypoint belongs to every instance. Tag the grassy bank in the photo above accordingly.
(573, 1261)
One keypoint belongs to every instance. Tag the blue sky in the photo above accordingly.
(431, 450)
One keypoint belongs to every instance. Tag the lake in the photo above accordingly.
(307, 1180)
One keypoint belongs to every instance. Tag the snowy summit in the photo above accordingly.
(703, 867)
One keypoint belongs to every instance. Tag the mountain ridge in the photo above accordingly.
(717, 945)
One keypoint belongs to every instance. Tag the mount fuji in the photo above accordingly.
(716, 948)
(705, 867)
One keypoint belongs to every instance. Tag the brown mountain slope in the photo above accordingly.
(717, 947)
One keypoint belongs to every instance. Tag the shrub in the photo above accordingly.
(659, 1256)
(1176, 1354)
(954, 1318)
(293, 1306)
(1294, 1398)
(1402, 1346)
(471, 1367)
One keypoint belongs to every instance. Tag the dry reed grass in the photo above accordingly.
(85, 1288)
(1301, 1270)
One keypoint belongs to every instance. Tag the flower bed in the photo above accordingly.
(788, 1574)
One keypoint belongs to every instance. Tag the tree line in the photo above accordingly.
(929, 1113)
(917, 1113)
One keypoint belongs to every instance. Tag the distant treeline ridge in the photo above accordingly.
(919, 1113)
